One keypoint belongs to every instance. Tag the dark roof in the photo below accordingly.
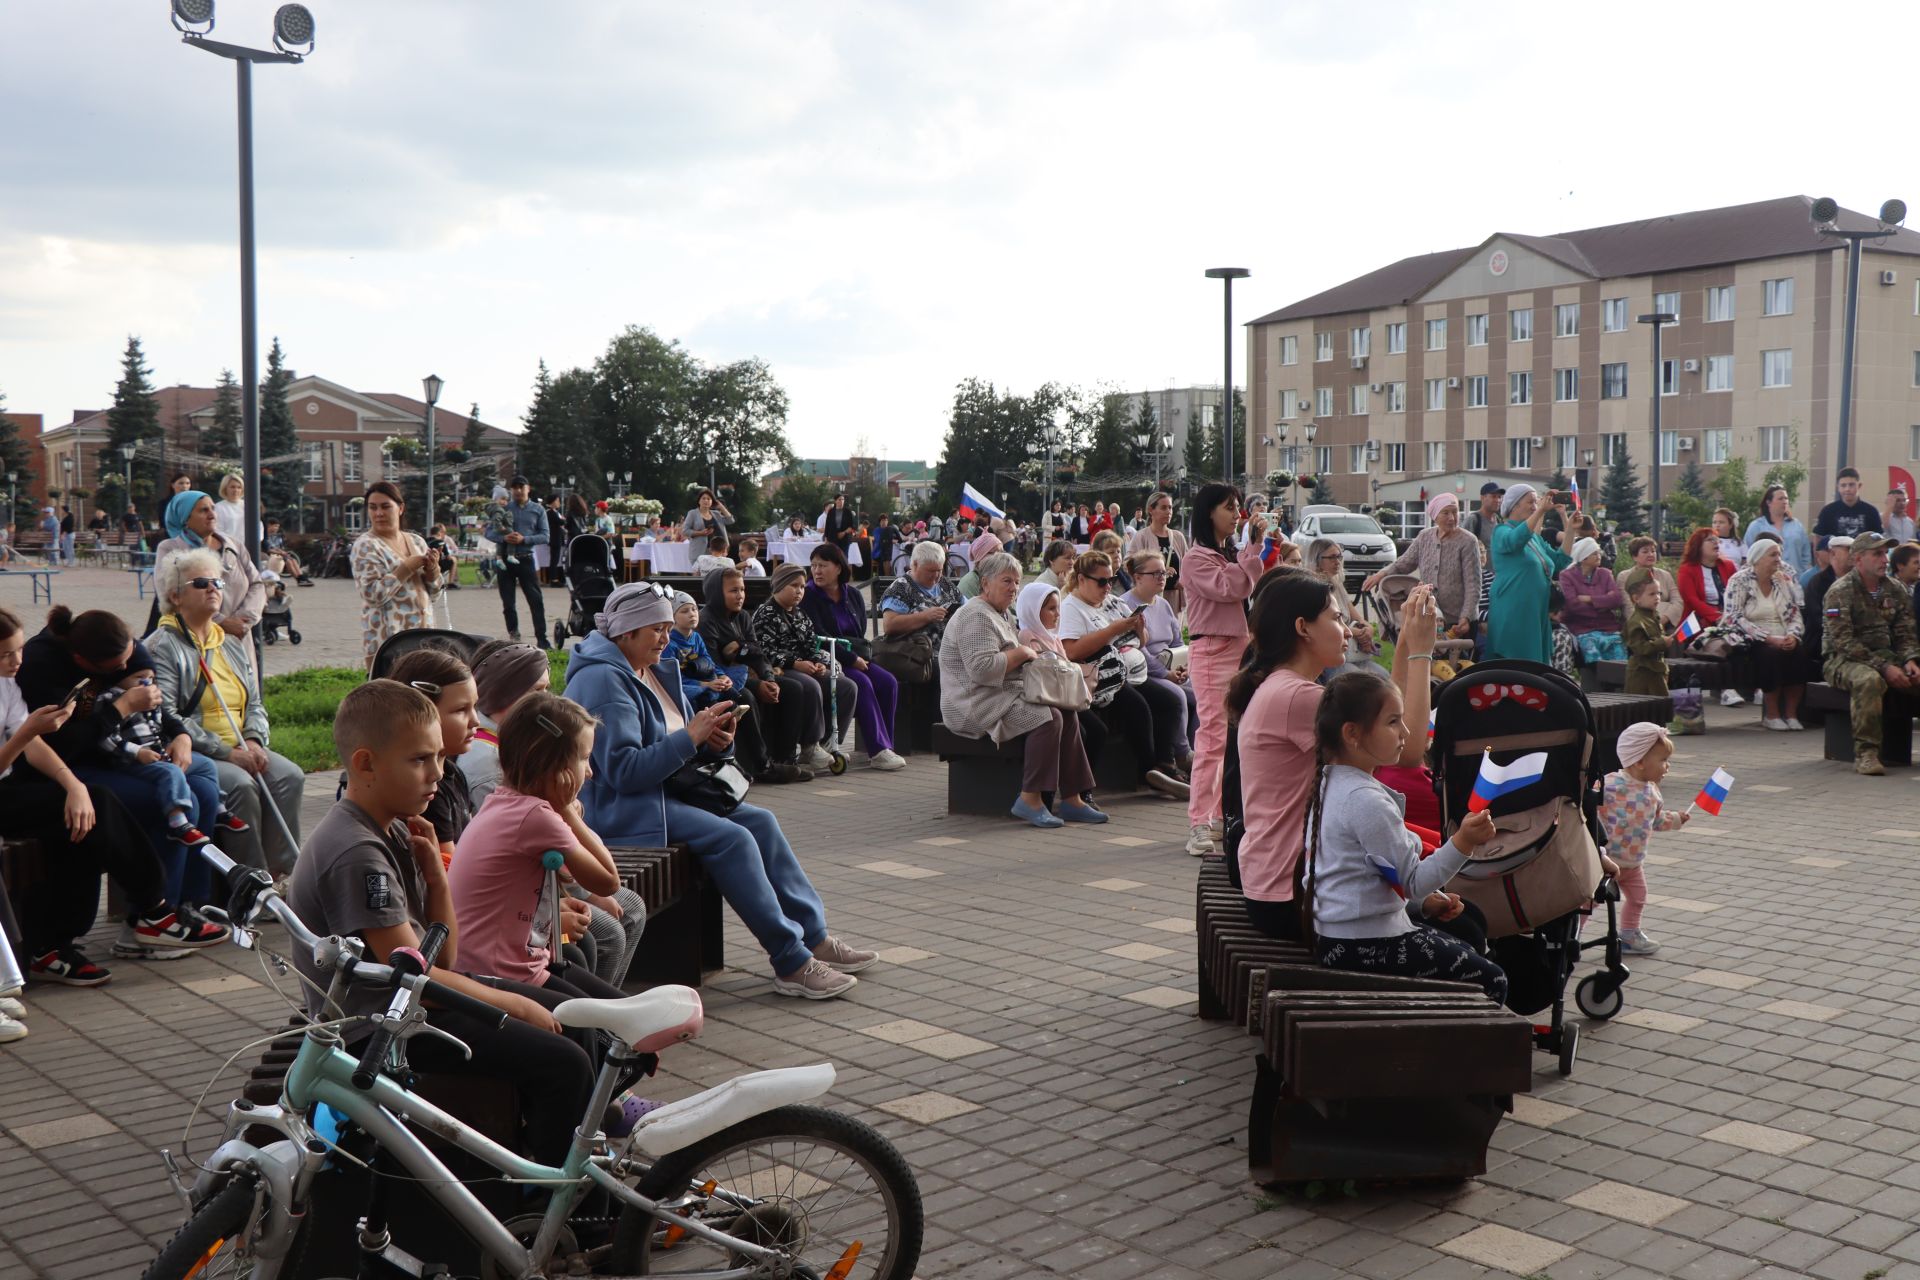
(1673, 242)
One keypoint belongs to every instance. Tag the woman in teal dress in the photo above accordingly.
(1525, 566)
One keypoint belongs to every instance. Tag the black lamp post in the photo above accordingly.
(1227, 275)
(431, 384)
(1658, 319)
(292, 26)
(1824, 212)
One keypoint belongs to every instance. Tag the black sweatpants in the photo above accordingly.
(65, 904)
(528, 578)
(1146, 716)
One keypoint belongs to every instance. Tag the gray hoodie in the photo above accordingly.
(1363, 830)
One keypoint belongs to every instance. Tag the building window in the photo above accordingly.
(1613, 447)
(1323, 402)
(1436, 394)
(1668, 303)
(1720, 304)
(1396, 397)
(1323, 460)
(1286, 405)
(1436, 335)
(1477, 391)
(1396, 457)
(1476, 455)
(1357, 458)
(1669, 377)
(1719, 373)
(1566, 384)
(1520, 324)
(1916, 368)
(1290, 350)
(389, 467)
(316, 462)
(354, 518)
(1436, 455)
(1719, 445)
(1360, 342)
(1477, 327)
(350, 460)
(1357, 399)
(1565, 448)
(1397, 339)
(1520, 453)
(1322, 346)
(1776, 297)
(1669, 448)
(1776, 368)
(1519, 388)
(1613, 315)
(1913, 443)
(1566, 320)
(1773, 444)
(1613, 381)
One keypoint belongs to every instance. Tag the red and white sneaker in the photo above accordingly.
(231, 822)
(68, 967)
(167, 937)
(189, 835)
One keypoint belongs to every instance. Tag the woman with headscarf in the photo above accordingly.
(1593, 605)
(983, 546)
(1443, 556)
(1524, 567)
(190, 524)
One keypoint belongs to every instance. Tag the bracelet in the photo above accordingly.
(1420, 657)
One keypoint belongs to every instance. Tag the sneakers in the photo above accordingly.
(1732, 698)
(887, 761)
(12, 1008)
(1635, 942)
(1200, 844)
(11, 1029)
(1778, 726)
(784, 772)
(815, 757)
(68, 967)
(1166, 784)
(172, 932)
(815, 982)
(190, 836)
(1794, 724)
(230, 821)
(837, 954)
(1868, 763)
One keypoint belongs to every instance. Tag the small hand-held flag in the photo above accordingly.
(974, 504)
(1714, 794)
(1497, 780)
(1389, 873)
(1688, 629)
(1573, 487)
(1433, 723)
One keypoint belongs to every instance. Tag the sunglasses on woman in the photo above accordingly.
(203, 584)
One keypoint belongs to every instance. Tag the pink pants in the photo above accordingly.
(1211, 665)
(1633, 895)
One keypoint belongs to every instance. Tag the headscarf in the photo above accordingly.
(179, 507)
(634, 605)
(1440, 502)
(1584, 548)
(982, 547)
(1637, 739)
(1026, 607)
(1511, 498)
(507, 675)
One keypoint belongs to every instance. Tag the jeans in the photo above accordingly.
(150, 792)
(528, 577)
(63, 906)
(759, 875)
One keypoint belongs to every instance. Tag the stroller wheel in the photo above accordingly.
(559, 635)
(1569, 1048)
(293, 635)
(838, 766)
(1599, 996)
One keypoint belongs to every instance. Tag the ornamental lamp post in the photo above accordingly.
(431, 384)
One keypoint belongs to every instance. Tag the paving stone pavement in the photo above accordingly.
(1032, 1047)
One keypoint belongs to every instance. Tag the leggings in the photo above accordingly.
(1633, 895)
(615, 938)
(1144, 716)
(879, 696)
(1422, 952)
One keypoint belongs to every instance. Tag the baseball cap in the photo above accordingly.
(1490, 487)
(519, 481)
(1865, 542)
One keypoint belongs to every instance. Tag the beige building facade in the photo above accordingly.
(1524, 356)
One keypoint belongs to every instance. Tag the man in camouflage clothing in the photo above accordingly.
(1870, 644)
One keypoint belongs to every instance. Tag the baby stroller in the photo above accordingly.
(592, 574)
(1535, 879)
(1450, 656)
(277, 615)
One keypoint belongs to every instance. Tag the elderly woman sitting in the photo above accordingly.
(647, 734)
(1594, 602)
(920, 601)
(190, 524)
(206, 677)
(979, 549)
(981, 696)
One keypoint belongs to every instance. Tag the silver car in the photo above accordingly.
(1365, 544)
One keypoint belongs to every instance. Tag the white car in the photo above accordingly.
(1365, 544)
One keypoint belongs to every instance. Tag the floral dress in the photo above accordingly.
(387, 605)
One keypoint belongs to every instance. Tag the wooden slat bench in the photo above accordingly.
(1836, 710)
(984, 779)
(685, 936)
(1229, 950)
(1612, 713)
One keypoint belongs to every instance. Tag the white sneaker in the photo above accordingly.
(12, 1008)
(1778, 726)
(1794, 725)
(1732, 698)
(815, 757)
(887, 761)
(815, 982)
(1200, 843)
(1759, 698)
(11, 1029)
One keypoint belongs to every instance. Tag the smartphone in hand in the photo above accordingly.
(73, 694)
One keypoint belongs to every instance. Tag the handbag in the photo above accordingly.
(1053, 681)
(1689, 711)
(1106, 672)
(908, 658)
(1541, 864)
(718, 786)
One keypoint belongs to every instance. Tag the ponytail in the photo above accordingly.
(1306, 871)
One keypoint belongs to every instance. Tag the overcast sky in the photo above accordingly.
(879, 199)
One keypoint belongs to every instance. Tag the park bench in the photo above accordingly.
(685, 935)
(1705, 673)
(984, 779)
(1229, 950)
(1612, 713)
(40, 581)
(140, 565)
(1835, 709)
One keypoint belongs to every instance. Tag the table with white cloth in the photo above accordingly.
(795, 550)
(662, 557)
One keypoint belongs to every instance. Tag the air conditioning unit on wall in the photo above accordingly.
(1685, 444)
(1453, 384)
(1359, 362)
(1539, 442)
(1376, 388)
(1306, 406)
(1889, 277)
(1691, 366)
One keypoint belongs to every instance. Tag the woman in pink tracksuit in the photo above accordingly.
(1216, 590)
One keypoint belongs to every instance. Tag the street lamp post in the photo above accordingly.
(1659, 320)
(1824, 212)
(1154, 446)
(292, 25)
(431, 384)
(1227, 275)
(126, 455)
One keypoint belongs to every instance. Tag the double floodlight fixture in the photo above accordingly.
(194, 17)
(292, 24)
(1826, 212)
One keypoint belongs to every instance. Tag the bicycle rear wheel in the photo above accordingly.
(211, 1246)
(816, 1183)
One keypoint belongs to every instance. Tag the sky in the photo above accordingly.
(878, 199)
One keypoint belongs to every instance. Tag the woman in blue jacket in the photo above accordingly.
(646, 733)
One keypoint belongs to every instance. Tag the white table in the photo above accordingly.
(664, 557)
(797, 550)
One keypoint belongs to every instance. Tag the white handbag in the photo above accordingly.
(1053, 681)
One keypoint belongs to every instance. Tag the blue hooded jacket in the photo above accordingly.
(625, 801)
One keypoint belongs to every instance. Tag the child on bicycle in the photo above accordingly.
(372, 869)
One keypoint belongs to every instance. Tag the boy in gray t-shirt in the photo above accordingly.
(354, 877)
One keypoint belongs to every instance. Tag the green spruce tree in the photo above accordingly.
(281, 483)
(221, 437)
(1622, 491)
(134, 419)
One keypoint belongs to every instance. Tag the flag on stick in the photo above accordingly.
(1714, 794)
(1497, 780)
(974, 504)
(1688, 629)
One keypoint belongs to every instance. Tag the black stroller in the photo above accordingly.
(592, 574)
(1534, 880)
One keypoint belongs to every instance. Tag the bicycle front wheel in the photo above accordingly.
(212, 1245)
(822, 1187)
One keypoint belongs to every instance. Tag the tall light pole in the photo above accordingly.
(1227, 275)
(292, 26)
(1824, 212)
(431, 384)
(126, 455)
(1659, 320)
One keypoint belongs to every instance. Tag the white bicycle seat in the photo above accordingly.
(649, 1021)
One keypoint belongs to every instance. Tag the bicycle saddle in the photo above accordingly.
(649, 1021)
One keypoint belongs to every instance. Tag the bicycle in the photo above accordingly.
(740, 1181)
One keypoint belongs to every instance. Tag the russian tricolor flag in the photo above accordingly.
(1714, 794)
(1688, 629)
(1573, 486)
(1497, 780)
(974, 504)
(1433, 723)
